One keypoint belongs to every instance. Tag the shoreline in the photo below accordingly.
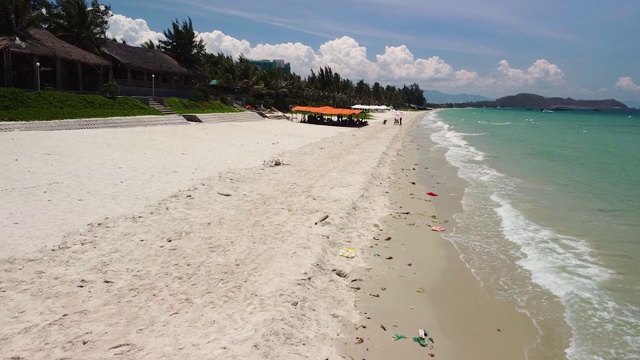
(426, 284)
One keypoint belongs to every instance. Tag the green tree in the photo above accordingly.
(149, 44)
(79, 24)
(182, 45)
(17, 16)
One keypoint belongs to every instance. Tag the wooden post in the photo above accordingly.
(8, 76)
(59, 84)
(80, 77)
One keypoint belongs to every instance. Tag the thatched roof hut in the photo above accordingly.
(41, 58)
(145, 60)
(40, 42)
(141, 71)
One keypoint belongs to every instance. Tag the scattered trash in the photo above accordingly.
(387, 238)
(376, 255)
(421, 339)
(432, 194)
(354, 280)
(382, 327)
(421, 291)
(375, 295)
(223, 194)
(325, 217)
(339, 272)
(273, 162)
(438, 228)
(348, 252)
(389, 257)
(359, 340)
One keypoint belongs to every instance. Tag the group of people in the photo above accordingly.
(340, 120)
(396, 121)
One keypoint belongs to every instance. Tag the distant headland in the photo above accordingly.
(533, 101)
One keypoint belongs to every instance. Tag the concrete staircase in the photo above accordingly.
(97, 123)
(163, 109)
(244, 116)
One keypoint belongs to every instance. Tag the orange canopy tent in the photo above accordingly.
(326, 110)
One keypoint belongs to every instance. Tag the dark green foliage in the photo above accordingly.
(414, 95)
(78, 23)
(110, 90)
(19, 105)
(149, 44)
(181, 44)
(183, 106)
(200, 93)
(16, 16)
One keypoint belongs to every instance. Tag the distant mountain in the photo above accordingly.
(536, 101)
(632, 103)
(437, 97)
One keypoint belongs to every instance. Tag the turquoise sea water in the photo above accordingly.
(551, 220)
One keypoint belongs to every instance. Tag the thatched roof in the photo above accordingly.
(43, 43)
(144, 59)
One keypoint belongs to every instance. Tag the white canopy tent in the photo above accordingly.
(372, 107)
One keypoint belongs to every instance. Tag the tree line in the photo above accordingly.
(85, 25)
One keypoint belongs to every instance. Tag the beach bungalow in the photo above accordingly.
(141, 71)
(42, 61)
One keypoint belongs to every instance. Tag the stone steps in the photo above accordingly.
(96, 123)
(244, 116)
(123, 122)
(163, 109)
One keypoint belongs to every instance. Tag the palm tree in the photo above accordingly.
(79, 24)
(182, 44)
(149, 44)
(17, 16)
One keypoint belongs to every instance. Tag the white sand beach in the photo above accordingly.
(178, 243)
(189, 242)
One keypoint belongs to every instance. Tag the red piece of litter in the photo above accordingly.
(432, 194)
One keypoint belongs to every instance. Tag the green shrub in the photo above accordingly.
(200, 93)
(184, 106)
(109, 90)
(19, 105)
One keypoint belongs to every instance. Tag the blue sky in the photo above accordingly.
(584, 49)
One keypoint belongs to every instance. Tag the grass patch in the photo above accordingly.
(184, 106)
(20, 105)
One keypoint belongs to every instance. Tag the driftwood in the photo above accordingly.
(322, 219)
(223, 194)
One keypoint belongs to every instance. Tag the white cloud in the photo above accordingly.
(398, 63)
(133, 31)
(626, 83)
(345, 56)
(542, 73)
(301, 57)
(216, 42)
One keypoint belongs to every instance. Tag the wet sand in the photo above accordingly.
(426, 285)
